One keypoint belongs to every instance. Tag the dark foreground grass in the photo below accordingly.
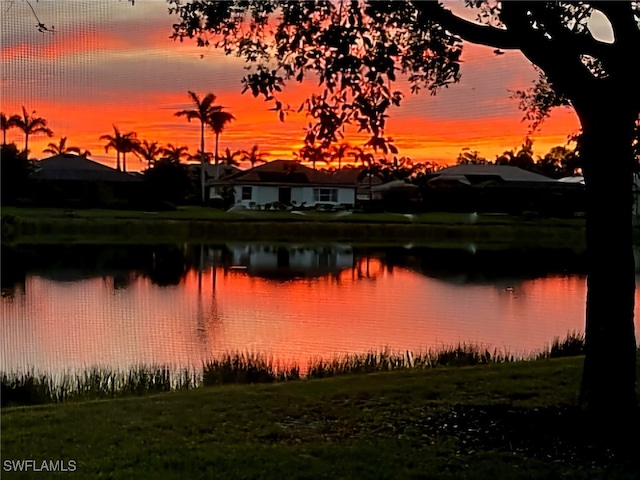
(495, 421)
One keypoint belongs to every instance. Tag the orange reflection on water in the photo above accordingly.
(58, 325)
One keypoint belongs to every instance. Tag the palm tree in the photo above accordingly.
(30, 125)
(7, 123)
(217, 121)
(338, 152)
(175, 154)
(60, 148)
(148, 151)
(370, 166)
(229, 158)
(253, 156)
(208, 156)
(123, 143)
(312, 153)
(202, 112)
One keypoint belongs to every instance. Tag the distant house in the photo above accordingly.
(74, 179)
(288, 183)
(501, 189)
(487, 175)
(77, 168)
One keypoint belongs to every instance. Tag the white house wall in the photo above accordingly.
(263, 194)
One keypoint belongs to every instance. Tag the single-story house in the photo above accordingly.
(486, 175)
(501, 189)
(68, 179)
(78, 168)
(289, 183)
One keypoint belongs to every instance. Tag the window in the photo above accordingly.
(246, 193)
(325, 195)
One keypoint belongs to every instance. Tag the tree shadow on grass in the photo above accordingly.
(562, 434)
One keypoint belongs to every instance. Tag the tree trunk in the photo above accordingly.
(118, 160)
(124, 161)
(216, 155)
(26, 145)
(202, 162)
(609, 378)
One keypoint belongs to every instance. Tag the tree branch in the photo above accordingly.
(580, 43)
(468, 31)
(560, 63)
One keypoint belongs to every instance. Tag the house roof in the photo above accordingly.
(576, 179)
(285, 172)
(355, 176)
(394, 185)
(79, 168)
(506, 173)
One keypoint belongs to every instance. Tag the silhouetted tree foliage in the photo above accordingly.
(168, 180)
(356, 49)
(253, 156)
(30, 125)
(471, 157)
(218, 120)
(397, 168)
(204, 109)
(6, 123)
(16, 170)
(147, 151)
(169, 267)
(60, 148)
(123, 143)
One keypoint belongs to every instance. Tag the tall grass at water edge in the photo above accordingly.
(31, 387)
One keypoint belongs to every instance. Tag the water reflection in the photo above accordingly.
(71, 306)
(287, 262)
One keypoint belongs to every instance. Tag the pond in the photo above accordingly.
(73, 306)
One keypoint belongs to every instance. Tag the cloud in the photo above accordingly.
(113, 63)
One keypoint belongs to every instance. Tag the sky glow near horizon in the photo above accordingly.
(110, 63)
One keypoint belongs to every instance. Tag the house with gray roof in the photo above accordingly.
(501, 189)
(68, 179)
(489, 175)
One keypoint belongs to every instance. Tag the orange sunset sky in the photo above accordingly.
(113, 63)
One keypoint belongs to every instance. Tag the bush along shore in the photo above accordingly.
(32, 388)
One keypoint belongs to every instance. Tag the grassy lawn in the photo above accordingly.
(500, 421)
(205, 224)
(202, 213)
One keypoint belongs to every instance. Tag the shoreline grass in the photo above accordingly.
(95, 383)
(28, 225)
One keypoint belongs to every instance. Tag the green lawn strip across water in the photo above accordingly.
(498, 421)
(205, 224)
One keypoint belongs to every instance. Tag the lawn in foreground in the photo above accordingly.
(506, 421)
